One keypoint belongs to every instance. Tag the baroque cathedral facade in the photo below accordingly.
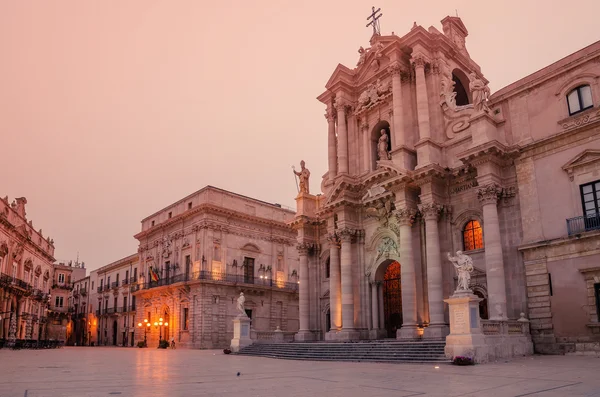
(424, 162)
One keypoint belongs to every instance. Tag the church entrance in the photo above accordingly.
(392, 299)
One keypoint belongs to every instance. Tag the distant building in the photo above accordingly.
(60, 305)
(26, 266)
(199, 253)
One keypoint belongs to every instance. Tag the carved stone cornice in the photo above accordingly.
(405, 216)
(334, 240)
(430, 211)
(489, 194)
(303, 248)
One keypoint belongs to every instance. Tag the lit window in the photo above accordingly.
(472, 236)
(580, 99)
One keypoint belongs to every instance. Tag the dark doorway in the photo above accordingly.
(249, 271)
(327, 321)
(114, 333)
(483, 309)
(392, 299)
(462, 98)
(249, 313)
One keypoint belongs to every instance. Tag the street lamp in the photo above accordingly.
(160, 326)
(146, 326)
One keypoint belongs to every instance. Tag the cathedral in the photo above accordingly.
(426, 165)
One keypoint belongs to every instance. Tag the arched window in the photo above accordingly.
(579, 99)
(327, 267)
(462, 98)
(472, 236)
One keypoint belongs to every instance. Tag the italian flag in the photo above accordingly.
(153, 274)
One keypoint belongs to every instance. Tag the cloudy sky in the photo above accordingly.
(111, 110)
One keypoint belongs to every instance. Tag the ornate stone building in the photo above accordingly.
(60, 306)
(26, 266)
(423, 162)
(199, 253)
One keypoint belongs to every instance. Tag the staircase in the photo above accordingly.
(374, 351)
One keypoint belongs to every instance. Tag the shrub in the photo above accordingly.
(163, 344)
(141, 344)
(460, 360)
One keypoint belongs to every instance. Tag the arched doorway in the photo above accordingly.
(392, 299)
(327, 321)
(483, 309)
(114, 333)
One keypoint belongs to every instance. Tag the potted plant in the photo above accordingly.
(462, 360)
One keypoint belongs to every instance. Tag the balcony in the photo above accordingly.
(110, 310)
(583, 224)
(125, 282)
(99, 289)
(66, 286)
(224, 278)
(83, 291)
(98, 313)
(132, 280)
(115, 284)
(106, 287)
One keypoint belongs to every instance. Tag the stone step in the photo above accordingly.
(358, 359)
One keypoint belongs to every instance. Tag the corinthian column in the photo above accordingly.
(398, 121)
(342, 153)
(494, 263)
(422, 101)
(331, 143)
(304, 331)
(406, 217)
(335, 286)
(437, 327)
(364, 128)
(346, 235)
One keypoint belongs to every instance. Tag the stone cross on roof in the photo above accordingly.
(375, 22)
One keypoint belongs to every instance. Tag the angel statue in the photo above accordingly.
(240, 305)
(464, 266)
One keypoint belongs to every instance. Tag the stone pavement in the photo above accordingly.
(105, 371)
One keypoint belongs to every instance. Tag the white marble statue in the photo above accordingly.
(464, 266)
(240, 305)
(481, 93)
(382, 147)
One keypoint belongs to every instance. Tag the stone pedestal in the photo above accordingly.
(428, 152)
(465, 338)
(306, 204)
(408, 332)
(484, 128)
(304, 336)
(241, 333)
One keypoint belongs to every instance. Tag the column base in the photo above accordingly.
(377, 334)
(408, 332)
(241, 334)
(343, 335)
(436, 331)
(304, 336)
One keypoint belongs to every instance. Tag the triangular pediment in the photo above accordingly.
(584, 158)
(340, 74)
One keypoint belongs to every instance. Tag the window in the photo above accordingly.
(580, 99)
(327, 267)
(126, 275)
(185, 319)
(61, 277)
(152, 223)
(135, 274)
(92, 285)
(189, 206)
(59, 301)
(108, 282)
(590, 200)
(170, 215)
(117, 279)
(124, 303)
(472, 236)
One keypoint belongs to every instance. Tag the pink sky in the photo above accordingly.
(111, 110)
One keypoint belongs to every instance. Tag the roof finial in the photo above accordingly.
(375, 21)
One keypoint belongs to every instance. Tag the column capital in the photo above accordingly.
(334, 240)
(303, 248)
(341, 105)
(489, 194)
(330, 114)
(405, 216)
(418, 61)
(364, 126)
(395, 69)
(430, 211)
(346, 234)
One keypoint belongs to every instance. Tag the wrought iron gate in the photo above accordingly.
(392, 299)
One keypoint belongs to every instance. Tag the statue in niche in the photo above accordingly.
(464, 266)
(240, 305)
(382, 146)
(481, 93)
(303, 175)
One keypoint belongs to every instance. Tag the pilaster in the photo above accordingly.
(342, 149)
(409, 330)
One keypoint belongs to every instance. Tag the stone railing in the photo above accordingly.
(277, 336)
(510, 327)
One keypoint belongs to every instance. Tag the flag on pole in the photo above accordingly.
(153, 274)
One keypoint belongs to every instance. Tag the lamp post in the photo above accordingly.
(160, 326)
(146, 326)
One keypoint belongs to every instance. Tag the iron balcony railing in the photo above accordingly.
(106, 287)
(225, 278)
(125, 282)
(99, 289)
(582, 224)
(115, 284)
(132, 280)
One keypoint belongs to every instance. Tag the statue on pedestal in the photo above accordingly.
(464, 266)
(240, 305)
(481, 93)
(303, 175)
(382, 146)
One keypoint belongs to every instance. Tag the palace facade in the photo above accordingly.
(423, 162)
(26, 266)
(198, 254)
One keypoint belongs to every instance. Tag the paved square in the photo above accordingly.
(103, 371)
